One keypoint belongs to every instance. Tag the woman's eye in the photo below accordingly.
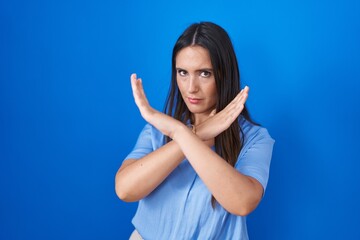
(205, 74)
(182, 72)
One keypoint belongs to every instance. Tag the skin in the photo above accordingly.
(237, 193)
(196, 82)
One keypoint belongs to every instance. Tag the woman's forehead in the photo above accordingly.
(193, 57)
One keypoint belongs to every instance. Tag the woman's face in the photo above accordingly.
(196, 81)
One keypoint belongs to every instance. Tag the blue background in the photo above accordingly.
(68, 118)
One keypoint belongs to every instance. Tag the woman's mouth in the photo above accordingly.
(194, 100)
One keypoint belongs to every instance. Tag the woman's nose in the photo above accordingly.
(193, 85)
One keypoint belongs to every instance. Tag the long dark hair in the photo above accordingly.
(215, 39)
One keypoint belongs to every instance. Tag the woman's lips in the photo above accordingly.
(194, 100)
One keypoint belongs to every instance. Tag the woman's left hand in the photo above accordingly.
(164, 123)
(219, 122)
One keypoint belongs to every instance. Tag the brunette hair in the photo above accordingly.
(227, 77)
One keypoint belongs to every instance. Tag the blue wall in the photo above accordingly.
(68, 118)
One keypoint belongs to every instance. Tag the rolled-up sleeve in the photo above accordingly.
(255, 157)
(143, 144)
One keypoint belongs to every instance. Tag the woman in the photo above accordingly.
(199, 169)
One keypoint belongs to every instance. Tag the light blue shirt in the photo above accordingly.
(180, 207)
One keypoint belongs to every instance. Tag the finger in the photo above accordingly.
(238, 106)
(244, 95)
(238, 98)
(141, 87)
(136, 86)
(246, 90)
(241, 97)
(241, 102)
(236, 103)
(133, 82)
(141, 90)
(243, 91)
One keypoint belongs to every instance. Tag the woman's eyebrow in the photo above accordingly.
(197, 70)
(205, 69)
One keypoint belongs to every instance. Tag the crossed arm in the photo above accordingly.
(237, 193)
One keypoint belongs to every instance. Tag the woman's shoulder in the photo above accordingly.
(253, 132)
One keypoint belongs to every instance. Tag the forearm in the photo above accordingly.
(136, 180)
(237, 193)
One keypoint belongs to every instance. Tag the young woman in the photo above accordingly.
(199, 168)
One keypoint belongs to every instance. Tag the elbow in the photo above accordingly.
(122, 191)
(242, 211)
(123, 195)
(244, 204)
(244, 207)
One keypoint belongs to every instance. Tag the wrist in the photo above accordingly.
(179, 130)
(199, 131)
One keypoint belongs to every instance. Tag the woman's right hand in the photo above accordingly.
(167, 125)
(219, 122)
